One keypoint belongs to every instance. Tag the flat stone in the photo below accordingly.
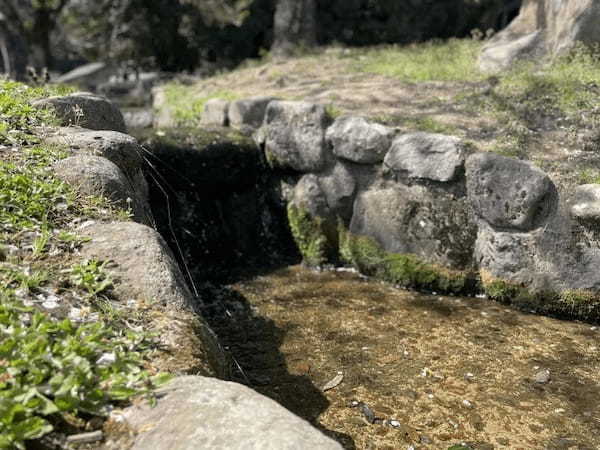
(586, 202)
(293, 134)
(429, 156)
(86, 110)
(359, 140)
(216, 112)
(198, 412)
(508, 193)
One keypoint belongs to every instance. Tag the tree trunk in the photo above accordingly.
(295, 26)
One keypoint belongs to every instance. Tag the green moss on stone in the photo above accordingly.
(403, 269)
(310, 235)
(572, 303)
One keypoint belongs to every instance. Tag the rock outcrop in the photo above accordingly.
(543, 29)
(86, 110)
(197, 412)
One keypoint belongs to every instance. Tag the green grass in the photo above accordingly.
(452, 60)
(186, 106)
(570, 84)
(53, 372)
(17, 116)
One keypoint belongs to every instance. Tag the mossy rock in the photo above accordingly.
(315, 237)
(570, 303)
(403, 269)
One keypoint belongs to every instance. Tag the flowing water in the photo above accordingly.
(434, 371)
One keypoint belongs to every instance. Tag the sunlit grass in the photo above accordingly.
(570, 83)
(187, 106)
(452, 60)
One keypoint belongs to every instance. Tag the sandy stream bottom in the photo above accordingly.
(447, 370)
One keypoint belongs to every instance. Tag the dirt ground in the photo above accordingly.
(446, 370)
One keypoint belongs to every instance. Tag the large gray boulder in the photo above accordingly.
(216, 112)
(121, 149)
(293, 135)
(508, 193)
(196, 413)
(543, 28)
(143, 268)
(95, 175)
(359, 140)
(434, 226)
(248, 112)
(143, 265)
(86, 110)
(430, 156)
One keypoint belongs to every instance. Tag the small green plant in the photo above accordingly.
(588, 176)
(22, 278)
(91, 277)
(17, 115)
(40, 243)
(333, 111)
(50, 370)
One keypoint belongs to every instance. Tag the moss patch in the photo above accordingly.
(403, 269)
(311, 236)
(571, 303)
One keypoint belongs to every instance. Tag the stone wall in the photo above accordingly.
(430, 212)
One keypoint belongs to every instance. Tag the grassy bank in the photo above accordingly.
(66, 356)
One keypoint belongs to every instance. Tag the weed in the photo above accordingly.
(40, 243)
(90, 276)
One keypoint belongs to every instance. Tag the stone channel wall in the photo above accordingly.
(426, 211)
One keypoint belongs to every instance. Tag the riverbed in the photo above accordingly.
(410, 369)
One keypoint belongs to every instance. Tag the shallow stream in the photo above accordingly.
(434, 371)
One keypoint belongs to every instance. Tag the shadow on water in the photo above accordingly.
(254, 342)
